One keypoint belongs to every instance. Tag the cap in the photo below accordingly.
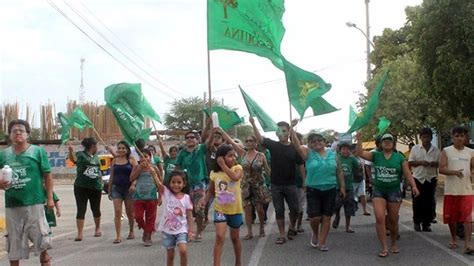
(388, 136)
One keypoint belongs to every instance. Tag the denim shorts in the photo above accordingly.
(170, 241)
(392, 196)
(234, 221)
(120, 193)
(320, 202)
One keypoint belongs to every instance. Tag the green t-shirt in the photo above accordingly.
(169, 165)
(350, 165)
(88, 172)
(27, 180)
(157, 159)
(193, 163)
(388, 173)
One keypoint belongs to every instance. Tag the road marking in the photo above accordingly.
(258, 250)
(434, 242)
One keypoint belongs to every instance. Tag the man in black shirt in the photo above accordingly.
(282, 177)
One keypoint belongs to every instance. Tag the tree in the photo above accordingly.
(443, 34)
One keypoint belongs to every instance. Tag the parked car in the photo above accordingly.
(105, 163)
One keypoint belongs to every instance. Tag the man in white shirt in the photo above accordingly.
(423, 161)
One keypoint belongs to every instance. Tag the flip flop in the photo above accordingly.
(349, 230)
(117, 241)
(248, 237)
(367, 213)
(452, 245)
(98, 234)
(77, 239)
(383, 253)
(469, 251)
(300, 230)
(130, 237)
(280, 241)
(394, 250)
(291, 234)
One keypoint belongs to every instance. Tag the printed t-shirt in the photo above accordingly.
(174, 220)
(228, 197)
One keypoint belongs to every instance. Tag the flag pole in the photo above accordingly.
(208, 62)
(98, 136)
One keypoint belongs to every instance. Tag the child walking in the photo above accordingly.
(225, 188)
(176, 222)
(145, 179)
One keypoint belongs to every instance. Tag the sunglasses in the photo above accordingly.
(190, 137)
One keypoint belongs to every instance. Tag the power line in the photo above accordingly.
(102, 48)
(118, 49)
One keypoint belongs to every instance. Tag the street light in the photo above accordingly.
(366, 35)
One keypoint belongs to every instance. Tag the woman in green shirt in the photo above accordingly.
(88, 185)
(389, 167)
(169, 159)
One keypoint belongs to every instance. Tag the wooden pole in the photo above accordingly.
(208, 65)
(98, 136)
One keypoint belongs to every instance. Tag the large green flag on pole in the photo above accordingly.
(248, 26)
(227, 118)
(79, 119)
(256, 27)
(352, 115)
(65, 127)
(129, 108)
(255, 110)
(368, 112)
(304, 88)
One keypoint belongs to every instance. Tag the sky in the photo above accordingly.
(164, 43)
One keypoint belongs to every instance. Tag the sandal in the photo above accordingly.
(98, 234)
(248, 237)
(291, 234)
(77, 239)
(349, 230)
(300, 230)
(131, 236)
(452, 245)
(198, 238)
(394, 250)
(383, 253)
(469, 251)
(367, 213)
(117, 241)
(280, 241)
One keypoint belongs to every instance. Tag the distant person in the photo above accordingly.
(424, 162)
(88, 185)
(389, 166)
(456, 162)
(119, 188)
(25, 196)
(169, 159)
(407, 153)
(359, 184)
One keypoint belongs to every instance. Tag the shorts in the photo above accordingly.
(320, 202)
(392, 196)
(350, 205)
(196, 193)
(457, 209)
(170, 241)
(24, 224)
(234, 221)
(301, 199)
(122, 193)
(282, 193)
(359, 189)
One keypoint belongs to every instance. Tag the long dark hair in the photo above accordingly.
(124, 143)
(221, 151)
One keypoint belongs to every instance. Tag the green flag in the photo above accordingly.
(129, 108)
(320, 106)
(364, 117)
(255, 110)
(383, 125)
(79, 119)
(304, 88)
(352, 115)
(227, 118)
(248, 26)
(65, 127)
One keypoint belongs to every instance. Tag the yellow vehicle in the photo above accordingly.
(105, 163)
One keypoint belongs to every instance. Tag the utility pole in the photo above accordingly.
(203, 113)
(367, 31)
(82, 92)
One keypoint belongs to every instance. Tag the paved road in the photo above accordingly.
(360, 248)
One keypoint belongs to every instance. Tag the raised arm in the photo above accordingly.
(255, 130)
(162, 148)
(72, 155)
(205, 131)
(360, 152)
(229, 140)
(300, 149)
(235, 176)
